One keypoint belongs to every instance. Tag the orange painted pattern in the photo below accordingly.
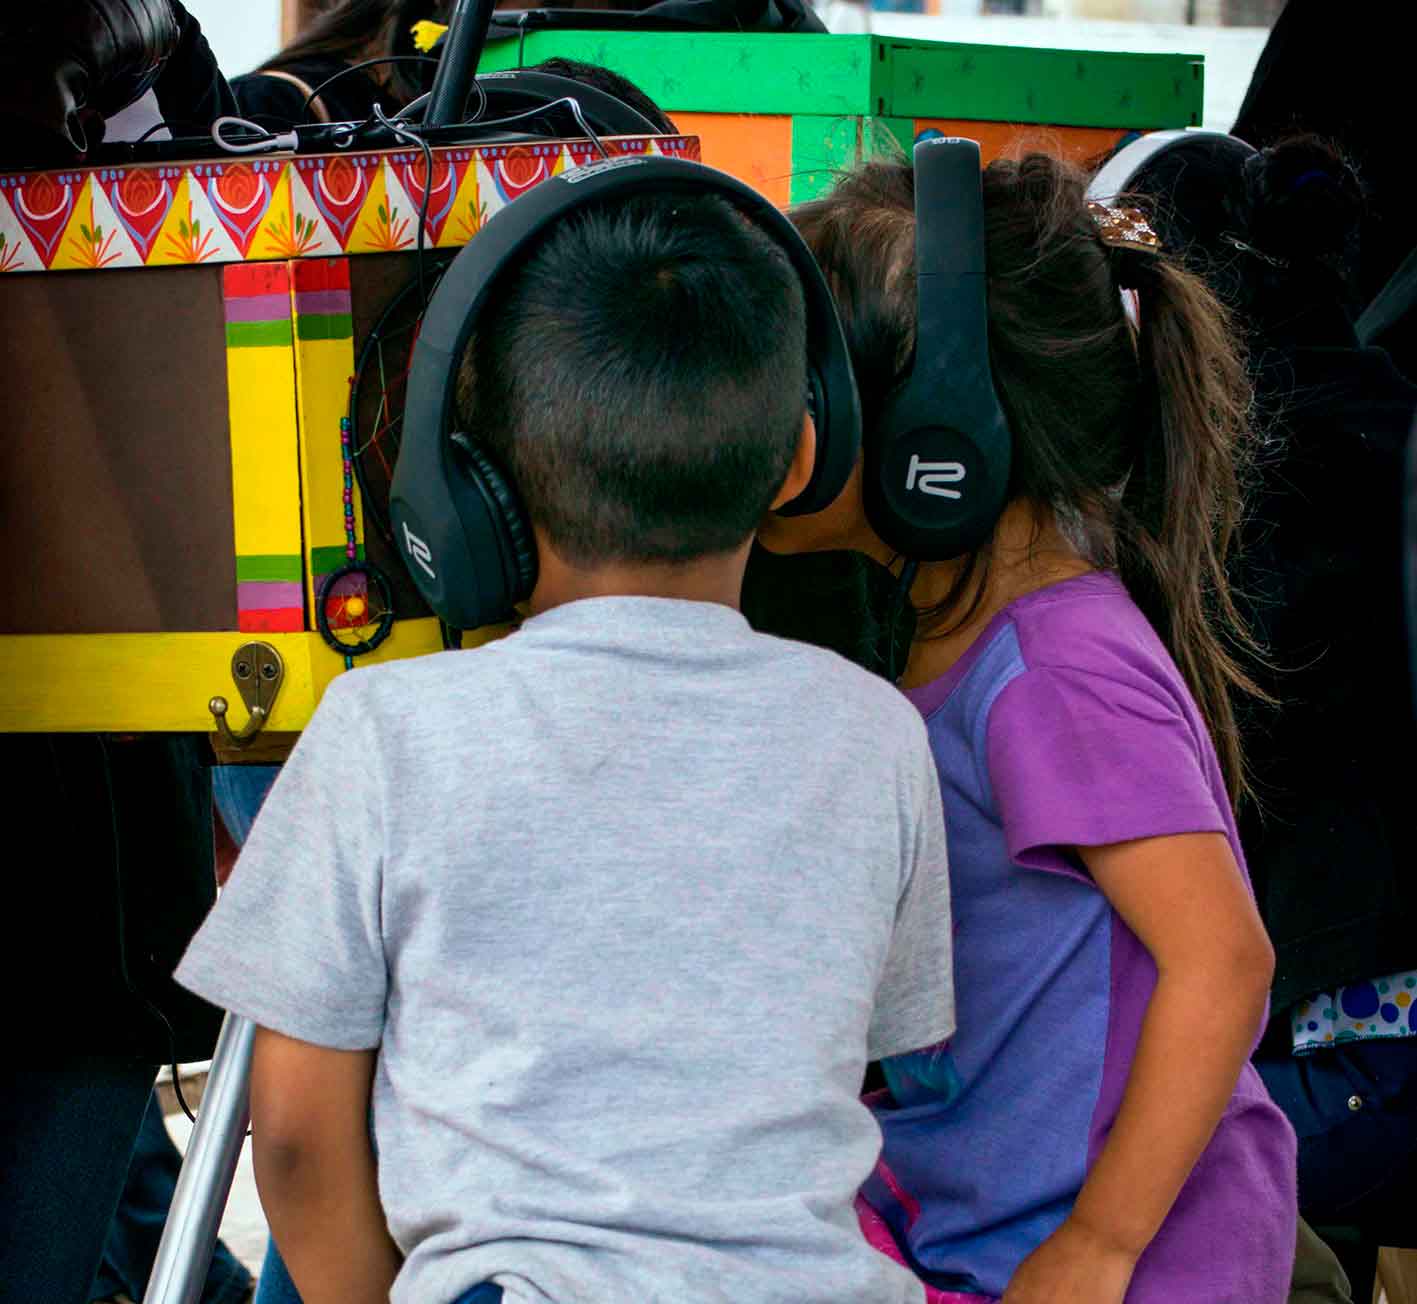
(756, 148)
(1004, 139)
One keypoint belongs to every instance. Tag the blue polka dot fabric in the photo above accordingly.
(1384, 1007)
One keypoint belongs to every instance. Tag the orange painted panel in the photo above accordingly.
(1000, 139)
(756, 148)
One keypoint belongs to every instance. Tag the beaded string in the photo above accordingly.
(353, 606)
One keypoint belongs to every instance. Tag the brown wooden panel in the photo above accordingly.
(115, 465)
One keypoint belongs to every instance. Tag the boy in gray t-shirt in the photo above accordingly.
(600, 923)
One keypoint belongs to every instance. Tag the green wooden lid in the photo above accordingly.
(729, 72)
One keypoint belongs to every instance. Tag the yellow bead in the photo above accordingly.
(355, 607)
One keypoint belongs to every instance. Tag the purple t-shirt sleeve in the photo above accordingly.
(1078, 759)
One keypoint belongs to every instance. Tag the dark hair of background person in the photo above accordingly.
(1093, 405)
(346, 34)
(1276, 233)
(642, 379)
(612, 83)
(349, 28)
(1341, 78)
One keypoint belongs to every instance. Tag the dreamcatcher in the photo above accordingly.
(355, 607)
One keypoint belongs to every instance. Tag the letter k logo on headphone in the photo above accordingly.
(932, 477)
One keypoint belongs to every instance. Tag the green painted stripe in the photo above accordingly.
(1065, 88)
(891, 138)
(258, 334)
(268, 568)
(716, 72)
(325, 560)
(325, 326)
(729, 72)
(822, 148)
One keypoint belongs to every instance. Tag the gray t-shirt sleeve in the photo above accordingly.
(294, 941)
(915, 1005)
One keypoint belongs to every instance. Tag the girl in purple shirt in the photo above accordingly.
(1094, 1132)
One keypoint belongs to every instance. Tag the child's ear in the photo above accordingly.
(803, 460)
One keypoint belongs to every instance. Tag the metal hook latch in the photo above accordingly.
(258, 673)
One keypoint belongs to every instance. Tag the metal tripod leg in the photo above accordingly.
(185, 1253)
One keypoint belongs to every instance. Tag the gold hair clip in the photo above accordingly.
(1123, 228)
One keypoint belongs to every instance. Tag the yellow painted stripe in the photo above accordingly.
(265, 466)
(323, 369)
(159, 683)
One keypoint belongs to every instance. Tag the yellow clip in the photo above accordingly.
(427, 33)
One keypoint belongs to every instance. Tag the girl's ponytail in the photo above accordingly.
(1181, 504)
(1134, 440)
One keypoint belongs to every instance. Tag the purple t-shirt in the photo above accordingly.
(1067, 724)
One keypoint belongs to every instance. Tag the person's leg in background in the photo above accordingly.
(238, 791)
(65, 1143)
(1318, 1276)
(136, 1230)
(1354, 1108)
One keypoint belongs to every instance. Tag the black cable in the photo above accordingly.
(898, 601)
(566, 101)
(404, 133)
(356, 67)
(158, 126)
(361, 443)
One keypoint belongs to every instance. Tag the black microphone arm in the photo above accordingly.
(457, 65)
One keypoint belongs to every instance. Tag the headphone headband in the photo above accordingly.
(938, 460)
(453, 545)
(1115, 177)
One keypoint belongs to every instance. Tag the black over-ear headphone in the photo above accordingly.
(525, 90)
(936, 469)
(456, 518)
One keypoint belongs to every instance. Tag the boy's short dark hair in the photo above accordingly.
(642, 378)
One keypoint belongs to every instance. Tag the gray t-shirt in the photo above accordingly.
(625, 901)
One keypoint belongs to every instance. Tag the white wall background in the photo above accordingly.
(1230, 52)
(242, 33)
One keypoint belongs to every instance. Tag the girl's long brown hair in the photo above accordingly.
(1136, 439)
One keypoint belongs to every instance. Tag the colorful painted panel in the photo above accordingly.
(232, 211)
(324, 360)
(265, 473)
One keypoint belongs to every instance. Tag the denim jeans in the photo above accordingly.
(1354, 1108)
(67, 1136)
(238, 791)
(136, 1229)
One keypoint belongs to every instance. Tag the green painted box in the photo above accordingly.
(783, 111)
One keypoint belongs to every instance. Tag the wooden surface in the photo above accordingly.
(161, 683)
(862, 76)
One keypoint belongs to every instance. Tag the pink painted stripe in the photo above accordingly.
(311, 302)
(267, 595)
(258, 307)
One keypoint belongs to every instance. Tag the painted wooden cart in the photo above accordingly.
(180, 341)
(784, 112)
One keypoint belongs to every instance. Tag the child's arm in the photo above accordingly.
(315, 1169)
(1186, 901)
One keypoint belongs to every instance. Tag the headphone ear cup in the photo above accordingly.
(516, 544)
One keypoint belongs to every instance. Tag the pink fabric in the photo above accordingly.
(878, 1235)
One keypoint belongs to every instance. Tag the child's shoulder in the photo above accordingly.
(1088, 627)
(825, 681)
(1080, 639)
(397, 693)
